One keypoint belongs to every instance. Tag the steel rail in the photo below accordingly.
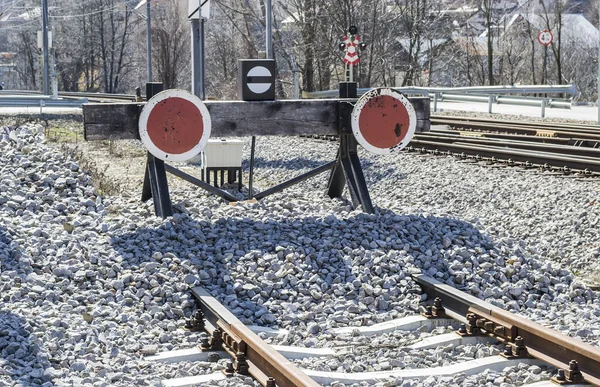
(510, 137)
(513, 144)
(263, 360)
(540, 342)
(515, 155)
(518, 122)
(516, 127)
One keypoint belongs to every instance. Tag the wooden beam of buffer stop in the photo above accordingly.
(240, 118)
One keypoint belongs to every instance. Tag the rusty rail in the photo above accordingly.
(264, 363)
(521, 128)
(519, 333)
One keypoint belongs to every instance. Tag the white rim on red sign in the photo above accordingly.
(383, 120)
(174, 125)
(545, 37)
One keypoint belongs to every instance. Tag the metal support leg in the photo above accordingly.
(337, 180)
(350, 169)
(362, 191)
(156, 187)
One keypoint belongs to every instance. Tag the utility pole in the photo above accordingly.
(598, 68)
(269, 27)
(148, 41)
(198, 72)
(46, 71)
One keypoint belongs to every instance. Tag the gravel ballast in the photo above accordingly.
(89, 284)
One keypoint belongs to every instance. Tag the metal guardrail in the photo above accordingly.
(67, 94)
(480, 94)
(40, 101)
(477, 90)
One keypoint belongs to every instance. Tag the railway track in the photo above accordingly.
(563, 148)
(521, 341)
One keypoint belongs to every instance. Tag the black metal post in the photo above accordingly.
(156, 185)
(251, 177)
(159, 186)
(337, 180)
(359, 184)
(348, 167)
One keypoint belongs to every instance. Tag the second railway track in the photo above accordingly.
(563, 148)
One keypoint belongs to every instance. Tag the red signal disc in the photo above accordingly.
(383, 120)
(174, 125)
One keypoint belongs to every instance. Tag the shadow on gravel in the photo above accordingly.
(5, 250)
(22, 360)
(10, 255)
(324, 251)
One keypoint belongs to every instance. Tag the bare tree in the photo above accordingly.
(114, 29)
(170, 42)
(553, 19)
(487, 7)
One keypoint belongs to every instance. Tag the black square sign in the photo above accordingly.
(256, 79)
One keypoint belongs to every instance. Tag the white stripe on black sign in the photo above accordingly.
(259, 80)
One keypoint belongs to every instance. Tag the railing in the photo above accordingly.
(39, 101)
(482, 94)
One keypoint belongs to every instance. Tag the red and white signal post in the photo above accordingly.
(349, 44)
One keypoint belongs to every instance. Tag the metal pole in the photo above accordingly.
(599, 71)
(545, 76)
(251, 174)
(544, 108)
(202, 55)
(148, 41)
(269, 27)
(46, 71)
(198, 73)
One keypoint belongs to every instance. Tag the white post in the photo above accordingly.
(544, 108)
(46, 71)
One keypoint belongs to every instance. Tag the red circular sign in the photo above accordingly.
(175, 125)
(382, 120)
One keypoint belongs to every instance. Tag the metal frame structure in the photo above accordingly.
(346, 168)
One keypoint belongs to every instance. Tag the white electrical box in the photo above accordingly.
(223, 153)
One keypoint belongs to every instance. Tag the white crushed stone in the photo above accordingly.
(88, 285)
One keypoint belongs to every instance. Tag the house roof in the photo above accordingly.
(575, 27)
